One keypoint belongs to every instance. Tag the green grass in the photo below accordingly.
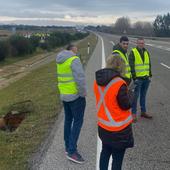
(40, 87)
(83, 47)
(11, 60)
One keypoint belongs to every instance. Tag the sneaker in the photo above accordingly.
(66, 151)
(75, 157)
(145, 115)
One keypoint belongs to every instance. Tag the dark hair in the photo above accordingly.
(70, 46)
(123, 38)
(140, 38)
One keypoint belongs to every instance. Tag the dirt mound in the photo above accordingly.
(16, 114)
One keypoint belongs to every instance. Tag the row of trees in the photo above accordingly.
(19, 46)
(160, 27)
(123, 25)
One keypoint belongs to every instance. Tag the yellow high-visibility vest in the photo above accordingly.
(141, 67)
(66, 82)
(125, 58)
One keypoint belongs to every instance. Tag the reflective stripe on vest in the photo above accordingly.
(125, 58)
(111, 122)
(66, 82)
(141, 67)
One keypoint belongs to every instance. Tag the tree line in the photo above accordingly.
(19, 46)
(160, 27)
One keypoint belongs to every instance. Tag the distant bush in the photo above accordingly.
(4, 50)
(20, 45)
(35, 41)
(79, 35)
(44, 46)
(57, 39)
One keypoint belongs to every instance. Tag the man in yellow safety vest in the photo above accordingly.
(139, 60)
(121, 49)
(72, 88)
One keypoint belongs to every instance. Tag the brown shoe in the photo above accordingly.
(145, 115)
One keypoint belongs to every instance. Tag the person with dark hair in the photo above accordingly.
(114, 117)
(121, 49)
(72, 88)
(140, 64)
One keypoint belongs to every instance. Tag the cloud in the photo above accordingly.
(81, 11)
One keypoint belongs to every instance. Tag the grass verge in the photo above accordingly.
(40, 87)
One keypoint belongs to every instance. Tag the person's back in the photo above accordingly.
(114, 116)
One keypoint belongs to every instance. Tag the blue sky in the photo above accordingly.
(71, 12)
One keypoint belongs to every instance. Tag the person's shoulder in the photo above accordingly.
(146, 50)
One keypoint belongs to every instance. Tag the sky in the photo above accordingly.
(79, 12)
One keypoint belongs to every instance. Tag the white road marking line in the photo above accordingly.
(158, 46)
(165, 65)
(112, 42)
(103, 53)
(99, 146)
(99, 143)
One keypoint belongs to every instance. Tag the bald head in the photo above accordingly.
(72, 47)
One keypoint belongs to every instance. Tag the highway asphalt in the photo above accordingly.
(152, 137)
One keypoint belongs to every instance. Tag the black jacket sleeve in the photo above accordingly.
(150, 71)
(123, 98)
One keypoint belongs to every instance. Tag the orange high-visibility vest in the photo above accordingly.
(110, 116)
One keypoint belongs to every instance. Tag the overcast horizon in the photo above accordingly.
(76, 12)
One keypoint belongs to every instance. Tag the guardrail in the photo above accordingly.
(151, 38)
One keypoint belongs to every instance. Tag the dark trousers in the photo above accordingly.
(141, 89)
(117, 157)
(74, 114)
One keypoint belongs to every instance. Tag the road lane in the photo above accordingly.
(54, 157)
(152, 138)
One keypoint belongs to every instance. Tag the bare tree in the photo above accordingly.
(143, 28)
(122, 25)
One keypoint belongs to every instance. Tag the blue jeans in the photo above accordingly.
(141, 88)
(117, 157)
(74, 114)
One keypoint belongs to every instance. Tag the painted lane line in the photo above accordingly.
(165, 65)
(99, 143)
(158, 46)
(112, 42)
(103, 53)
